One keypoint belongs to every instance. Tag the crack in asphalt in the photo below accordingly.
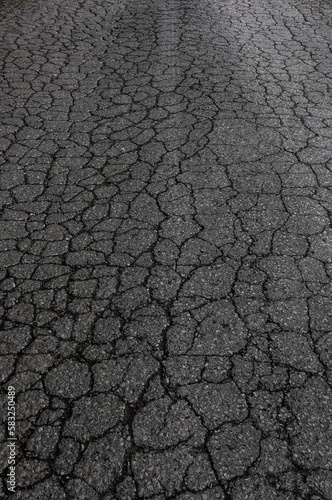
(165, 253)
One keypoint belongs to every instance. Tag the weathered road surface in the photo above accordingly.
(166, 248)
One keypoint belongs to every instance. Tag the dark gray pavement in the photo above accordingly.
(166, 248)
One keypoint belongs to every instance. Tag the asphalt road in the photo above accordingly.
(166, 245)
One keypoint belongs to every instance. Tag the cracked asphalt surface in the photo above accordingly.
(166, 248)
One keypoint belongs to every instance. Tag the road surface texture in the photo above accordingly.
(166, 248)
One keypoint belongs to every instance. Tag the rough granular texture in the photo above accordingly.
(166, 248)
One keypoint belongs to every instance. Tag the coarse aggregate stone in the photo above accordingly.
(166, 248)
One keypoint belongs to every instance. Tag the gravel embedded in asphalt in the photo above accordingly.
(166, 249)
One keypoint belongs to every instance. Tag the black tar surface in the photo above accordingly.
(166, 248)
